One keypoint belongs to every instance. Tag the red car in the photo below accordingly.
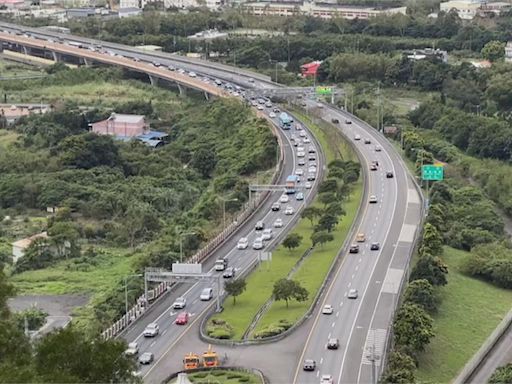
(182, 318)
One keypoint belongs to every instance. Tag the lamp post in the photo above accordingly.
(224, 201)
(182, 235)
(126, 290)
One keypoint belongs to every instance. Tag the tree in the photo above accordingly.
(311, 213)
(400, 369)
(292, 241)
(432, 242)
(327, 222)
(286, 290)
(204, 161)
(89, 150)
(421, 292)
(321, 237)
(235, 288)
(327, 197)
(335, 209)
(502, 375)
(413, 327)
(493, 50)
(431, 269)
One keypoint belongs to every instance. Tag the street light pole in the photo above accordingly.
(126, 290)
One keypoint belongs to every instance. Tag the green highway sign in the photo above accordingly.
(432, 172)
(323, 90)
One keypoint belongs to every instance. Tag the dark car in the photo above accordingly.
(229, 272)
(333, 343)
(375, 246)
(373, 167)
(389, 175)
(146, 358)
(354, 248)
(348, 122)
(375, 162)
(309, 365)
(367, 141)
(276, 207)
(335, 121)
(260, 226)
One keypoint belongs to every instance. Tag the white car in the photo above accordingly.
(312, 169)
(299, 171)
(243, 243)
(284, 199)
(378, 148)
(192, 74)
(133, 349)
(301, 162)
(151, 330)
(308, 185)
(306, 140)
(327, 309)
(288, 210)
(352, 294)
(260, 107)
(258, 243)
(272, 115)
(326, 379)
(180, 303)
(267, 234)
(302, 133)
(278, 223)
(357, 137)
(301, 154)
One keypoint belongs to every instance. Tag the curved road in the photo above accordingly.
(361, 325)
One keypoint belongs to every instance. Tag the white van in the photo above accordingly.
(206, 294)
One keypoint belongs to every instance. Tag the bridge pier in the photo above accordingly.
(57, 57)
(26, 50)
(153, 80)
(206, 96)
(87, 62)
(182, 90)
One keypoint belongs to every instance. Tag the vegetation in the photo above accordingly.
(113, 195)
(223, 376)
(235, 288)
(502, 375)
(285, 289)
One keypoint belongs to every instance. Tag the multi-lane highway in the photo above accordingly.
(362, 324)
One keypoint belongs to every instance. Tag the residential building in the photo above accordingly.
(322, 10)
(10, 4)
(20, 247)
(466, 9)
(129, 12)
(209, 34)
(13, 112)
(508, 52)
(420, 54)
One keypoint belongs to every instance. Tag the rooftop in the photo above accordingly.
(24, 243)
(128, 119)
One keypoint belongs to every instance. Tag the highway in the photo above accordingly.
(362, 325)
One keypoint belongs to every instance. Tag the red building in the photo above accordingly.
(310, 69)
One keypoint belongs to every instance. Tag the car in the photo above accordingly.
(301, 162)
(319, 105)
(373, 167)
(360, 238)
(192, 74)
(229, 273)
(260, 225)
(146, 358)
(302, 133)
(295, 143)
(348, 122)
(308, 185)
(276, 206)
(284, 199)
(389, 174)
(311, 176)
(258, 243)
(299, 196)
(278, 223)
(333, 343)
(312, 164)
(271, 115)
(378, 148)
(312, 157)
(179, 303)
(171, 68)
(301, 149)
(299, 179)
(268, 104)
(303, 104)
(375, 246)
(375, 162)
(267, 234)
(298, 127)
(373, 199)
(299, 171)
(250, 80)
(276, 110)
(327, 309)
(151, 330)
(357, 137)
(133, 349)
(335, 121)
(243, 243)
(367, 141)
(155, 63)
(306, 140)
(182, 318)
(288, 210)
(352, 294)
(312, 169)
(311, 149)
(301, 154)
(309, 365)
(206, 294)
(354, 248)
(326, 379)
(218, 82)
(181, 70)
(260, 107)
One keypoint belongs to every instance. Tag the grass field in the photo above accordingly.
(311, 273)
(222, 377)
(11, 69)
(469, 312)
(7, 138)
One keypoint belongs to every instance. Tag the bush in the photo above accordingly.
(219, 329)
(273, 329)
(244, 379)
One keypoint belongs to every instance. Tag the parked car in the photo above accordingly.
(179, 303)
(182, 318)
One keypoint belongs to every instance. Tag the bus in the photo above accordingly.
(291, 183)
(285, 121)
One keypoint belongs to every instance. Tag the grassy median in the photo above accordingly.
(470, 310)
(313, 270)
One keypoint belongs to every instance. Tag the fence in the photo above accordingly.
(143, 304)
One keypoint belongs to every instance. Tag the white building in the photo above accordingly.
(20, 247)
(508, 52)
(129, 12)
(466, 9)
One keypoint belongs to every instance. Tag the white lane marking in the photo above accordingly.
(349, 284)
(333, 323)
(337, 313)
(321, 360)
(153, 343)
(164, 332)
(317, 373)
(353, 275)
(329, 336)
(357, 267)
(345, 294)
(341, 304)
(360, 259)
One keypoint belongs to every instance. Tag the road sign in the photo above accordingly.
(266, 256)
(183, 268)
(432, 172)
(323, 90)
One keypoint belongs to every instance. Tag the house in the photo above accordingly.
(129, 12)
(20, 247)
(466, 9)
(13, 112)
(11, 4)
(129, 127)
(310, 69)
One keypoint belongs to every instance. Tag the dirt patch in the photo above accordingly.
(54, 305)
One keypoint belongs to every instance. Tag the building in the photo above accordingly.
(12, 4)
(466, 9)
(209, 34)
(322, 10)
(310, 69)
(181, 4)
(420, 54)
(129, 12)
(508, 52)
(20, 247)
(13, 112)
(129, 127)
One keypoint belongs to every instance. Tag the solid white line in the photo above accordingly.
(353, 275)
(333, 323)
(357, 267)
(329, 336)
(321, 360)
(337, 313)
